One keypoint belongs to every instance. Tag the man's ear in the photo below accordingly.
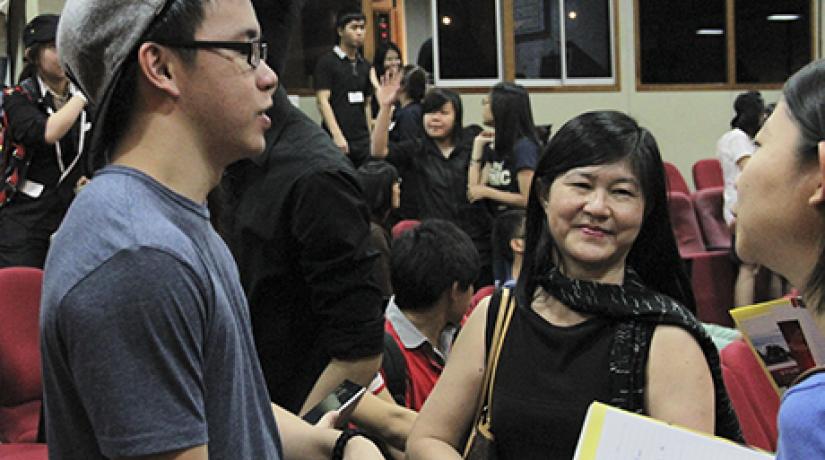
(456, 292)
(818, 198)
(517, 245)
(158, 67)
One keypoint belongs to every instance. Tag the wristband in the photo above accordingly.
(341, 442)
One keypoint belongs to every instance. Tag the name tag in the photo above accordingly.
(356, 97)
(32, 188)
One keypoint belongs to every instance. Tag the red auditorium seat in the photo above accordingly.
(23, 451)
(754, 398)
(675, 181)
(712, 273)
(403, 226)
(478, 297)
(707, 173)
(20, 392)
(708, 203)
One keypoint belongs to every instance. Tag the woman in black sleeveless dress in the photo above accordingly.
(603, 310)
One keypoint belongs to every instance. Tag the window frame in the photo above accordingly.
(507, 40)
(730, 38)
(507, 60)
(575, 82)
(470, 82)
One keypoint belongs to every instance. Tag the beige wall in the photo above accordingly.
(35, 7)
(686, 124)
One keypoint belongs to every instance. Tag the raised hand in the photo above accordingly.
(387, 92)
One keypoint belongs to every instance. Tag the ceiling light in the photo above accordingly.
(710, 32)
(446, 20)
(572, 15)
(783, 17)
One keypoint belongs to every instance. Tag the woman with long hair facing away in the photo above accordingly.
(602, 310)
(503, 161)
(785, 233)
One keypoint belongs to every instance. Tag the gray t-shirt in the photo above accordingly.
(145, 331)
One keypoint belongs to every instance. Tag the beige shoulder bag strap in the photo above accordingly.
(483, 419)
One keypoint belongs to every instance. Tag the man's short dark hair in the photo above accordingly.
(427, 260)
(178, 23)
(508, 225)
(344, 17)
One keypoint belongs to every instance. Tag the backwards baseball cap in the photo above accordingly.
(95, 38)
(41, 29)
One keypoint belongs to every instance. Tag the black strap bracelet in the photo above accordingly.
(341, 442)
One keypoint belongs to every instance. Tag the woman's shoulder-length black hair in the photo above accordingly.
(597, 138)
(804, 96)
(512, 115)
(377, 179)
(750, 110)
(380, 54)
(435, 99)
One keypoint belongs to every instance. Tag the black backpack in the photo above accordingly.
(14, 162)
(395, 370)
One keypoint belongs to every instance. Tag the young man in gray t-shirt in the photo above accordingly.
(146, 341)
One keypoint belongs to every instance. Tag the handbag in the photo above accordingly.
(480, 444)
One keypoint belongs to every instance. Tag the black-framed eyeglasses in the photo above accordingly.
(255, 51)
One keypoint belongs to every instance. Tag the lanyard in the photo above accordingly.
(65, 171)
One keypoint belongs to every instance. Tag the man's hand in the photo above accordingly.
(328, 420)
(341, 142)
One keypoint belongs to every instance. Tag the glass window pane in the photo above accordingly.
(773, 39)
(467, 39)
(538, 39)
(683, 41)
(587, 33)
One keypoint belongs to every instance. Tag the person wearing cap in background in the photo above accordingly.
(146, 343)
(48, 116)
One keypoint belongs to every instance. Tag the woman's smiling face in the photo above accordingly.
(594, 214)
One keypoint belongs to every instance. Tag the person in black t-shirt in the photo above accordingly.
(408, 116)
(47, 115)
(296, 221)
(343, 89)
(434, 168)
(503, 162)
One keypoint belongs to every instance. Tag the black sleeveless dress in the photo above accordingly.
(546, 379)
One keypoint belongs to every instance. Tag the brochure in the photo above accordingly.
(609, 433)
(784, 338)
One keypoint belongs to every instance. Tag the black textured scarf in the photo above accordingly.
(638, 310)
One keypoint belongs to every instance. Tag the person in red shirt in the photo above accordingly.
(433, 267)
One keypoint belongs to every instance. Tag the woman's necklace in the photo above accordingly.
(59, 101)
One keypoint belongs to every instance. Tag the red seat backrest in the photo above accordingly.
(708, 173)
(685, 226)
(675, 181)
(708, 204)
(754, 399)
(479, 295)
(20, 378)
(403, 226)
